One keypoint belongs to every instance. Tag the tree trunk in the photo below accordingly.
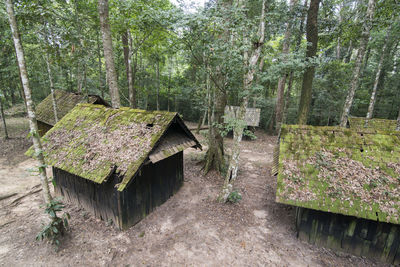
(377, 76)
(291, 75)
(349, 52)
(367, 25)
(101, 86)
(308, 77)
(29, 103)
(282, 81)
(158, 83)
(53, 98)
(127, 45)
(215, 153)
(3, 119)
(338, 48)
(398, 122)
(108, 53)
(251, 64)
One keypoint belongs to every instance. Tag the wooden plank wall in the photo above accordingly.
(377, 240)
(43, 128)
(154, 185)
(99, 199)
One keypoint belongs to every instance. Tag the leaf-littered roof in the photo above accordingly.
(93, 141)
(340, 170)
(358, 123)
(65, 102)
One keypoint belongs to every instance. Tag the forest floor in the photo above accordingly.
(190, 229)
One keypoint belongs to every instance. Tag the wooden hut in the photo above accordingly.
(346, 187)
(377, 124)
(65, 102)
(118, 164)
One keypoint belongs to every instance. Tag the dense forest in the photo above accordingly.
(178, 60)
(306, 62)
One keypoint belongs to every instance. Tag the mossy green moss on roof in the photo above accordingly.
(93, 141)
(339, 170)
(377, 124)
(65, 102)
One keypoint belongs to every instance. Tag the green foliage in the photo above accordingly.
(57, 226)
(234, 197)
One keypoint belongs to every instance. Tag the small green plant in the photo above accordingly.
(234, 197)
(372, 184)
(57, 225)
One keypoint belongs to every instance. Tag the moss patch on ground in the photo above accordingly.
(338, 170)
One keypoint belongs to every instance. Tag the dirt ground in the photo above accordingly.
(190, 229)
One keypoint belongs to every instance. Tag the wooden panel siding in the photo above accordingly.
(99, 199)
(154, 185)
(361, 237)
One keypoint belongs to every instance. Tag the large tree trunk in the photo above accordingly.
(108, 53)
(29, 103)
(215, 153)
(53, 98)
(367, 25)
(251, 66)
(3, 118)
(308, 77)
(282, 81)
(377, 76)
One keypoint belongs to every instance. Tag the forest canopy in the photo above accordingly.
(173, 52)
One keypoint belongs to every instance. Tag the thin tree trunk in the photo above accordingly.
(291, 75)
(357, 68)
(108, 53)
(377, 76)
(101, 86)
(251, 63)
(349, 52)
(3, 119)
(398, 122)
(158, 83)
(127, 45)
(53, 97)
(282, 81)
(29, 103)
(308, 77)
(340, 32)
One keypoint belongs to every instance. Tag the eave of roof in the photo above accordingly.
(66, 101)
(93, 141)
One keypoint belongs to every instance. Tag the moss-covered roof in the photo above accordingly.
(339, 170)
(65, 102)
(358, 123)
(93, 141)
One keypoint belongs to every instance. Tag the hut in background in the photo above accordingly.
(346, 187)
(252, 116)
(65, 102)
(118, 164)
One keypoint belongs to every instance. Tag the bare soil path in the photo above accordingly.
(190, 229)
